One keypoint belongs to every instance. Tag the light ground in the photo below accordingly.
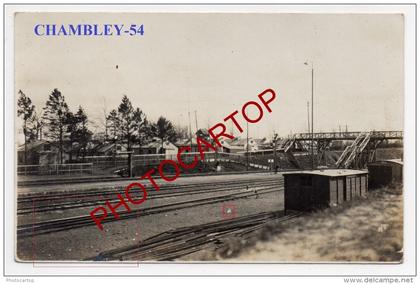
(367, 230)
(81, 243)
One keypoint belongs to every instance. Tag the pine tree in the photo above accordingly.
(77, 127)
(126, 113)
(83, 134)
(71, 127)
(140, 127)
(55, 118)
(113, 122)
(165, 131)
(26, 110)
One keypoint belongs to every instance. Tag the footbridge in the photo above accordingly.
(360, 147)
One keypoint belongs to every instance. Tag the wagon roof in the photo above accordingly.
(391, 161)
(396, 161)
(329, 172)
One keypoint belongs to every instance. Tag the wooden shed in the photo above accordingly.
(308, 190)
(383, 173)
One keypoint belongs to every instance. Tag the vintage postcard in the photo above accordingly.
(209, 137)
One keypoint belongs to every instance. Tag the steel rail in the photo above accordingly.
(183, 241)
(36, 207)
(44, 227)
(93, 192)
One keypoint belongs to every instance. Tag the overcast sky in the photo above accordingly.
(214, 63)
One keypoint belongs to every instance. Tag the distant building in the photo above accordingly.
(263, 143)
(192, 142)
(187, 142)
(237, 145)
(155, 147)
(228, 148)
(41, 152)
(108, 149)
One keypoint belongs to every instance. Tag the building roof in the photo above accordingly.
(261, 141)
(387, 162)
(32, 145)
(186, 142)
(105, 147)
(237, 142)
(329, 172)
(182, 142)
(227, 145)
(158, 145)
(396, 161)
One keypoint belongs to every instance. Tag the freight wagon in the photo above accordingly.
(309, 190)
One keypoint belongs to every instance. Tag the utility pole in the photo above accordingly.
(106, 129)
(275, 153)
(312, 114)
(247, 145)
(189, 124)
(115, 148)
(130, 163)
(307, 108)
(179, 120)
(196, 123)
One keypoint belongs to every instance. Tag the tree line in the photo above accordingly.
(57, 123)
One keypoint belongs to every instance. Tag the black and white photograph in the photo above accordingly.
(314, 162)
(209, 137)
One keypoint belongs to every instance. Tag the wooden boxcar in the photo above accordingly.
(308, 190)
(383, 173)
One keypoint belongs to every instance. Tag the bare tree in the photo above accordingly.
(113, 122)
(36, 125)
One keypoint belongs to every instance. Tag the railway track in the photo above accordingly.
(56, 225)
(112, 189)
(34, 203)
(115, 178)
(183, 241)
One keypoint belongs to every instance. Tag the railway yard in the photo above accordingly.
(272, 142)
(70, 218)
(53, 221)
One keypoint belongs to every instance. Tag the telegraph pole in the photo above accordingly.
(247, 145)
(307, 108)
(275, 153)
(196, 123)
(189, 124)
(312, 114)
